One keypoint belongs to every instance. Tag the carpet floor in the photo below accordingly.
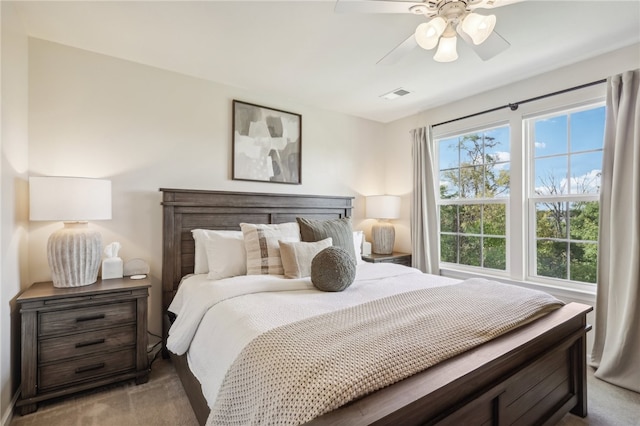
(162, 401)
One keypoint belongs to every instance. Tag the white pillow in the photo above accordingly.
(262, 247)
(358, 237)
(297, 256)
(226, 255)
(200, 262)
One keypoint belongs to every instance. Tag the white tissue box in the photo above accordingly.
(366, 248)
(112, 268)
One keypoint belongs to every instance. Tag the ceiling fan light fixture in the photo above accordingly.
(428, 33)
(446, 50)
(478, 27)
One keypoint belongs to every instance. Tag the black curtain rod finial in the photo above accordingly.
(513, 107)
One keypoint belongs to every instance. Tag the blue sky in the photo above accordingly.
(564, 151)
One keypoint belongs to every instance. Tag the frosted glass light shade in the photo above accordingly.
(383, 207)
(428, 33)
(75, 251)
(478, 27)
(446, 50)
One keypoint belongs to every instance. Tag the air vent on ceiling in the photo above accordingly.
(395, 94)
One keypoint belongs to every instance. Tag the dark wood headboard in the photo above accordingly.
(184, 210)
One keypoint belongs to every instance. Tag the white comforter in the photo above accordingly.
(217, 319)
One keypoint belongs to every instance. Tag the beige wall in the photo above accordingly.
(13, 194)
(145, 128)
(398, 147)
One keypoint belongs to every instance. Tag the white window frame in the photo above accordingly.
(518, 232)
(533, 198)
(475, 201)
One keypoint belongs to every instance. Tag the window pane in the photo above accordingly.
(449, 218)
(586, 170)
(496, 144)
(495, 253)
(584, 262)
(470, 249)
(449, 248)
(474, 166)
(449, 153)
(449, 184)
(472, 182)
(551, 176)
(471, 149)
(470, 219)
(551, 136)
(587, 129)
(497, 180)
(584, 220)
(494, 218)
(551, 220)
(552, 259)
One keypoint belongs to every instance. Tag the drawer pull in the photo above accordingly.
(90, 318)
(89, 368)
(89, 343)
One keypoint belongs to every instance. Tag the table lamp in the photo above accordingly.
(74, 252)
(383, 234)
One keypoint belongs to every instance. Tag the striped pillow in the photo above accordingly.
(262, 248)
(339, 230)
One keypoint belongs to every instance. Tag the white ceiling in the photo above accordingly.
(303, 51)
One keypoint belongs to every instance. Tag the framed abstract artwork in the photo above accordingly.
(267, 144)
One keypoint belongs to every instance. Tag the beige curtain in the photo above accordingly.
(616, 352)
(424, 213)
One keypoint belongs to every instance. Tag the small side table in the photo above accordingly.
(79, 338)
(395, 257)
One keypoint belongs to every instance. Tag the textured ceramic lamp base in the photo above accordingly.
(383, 235)
(74, 253)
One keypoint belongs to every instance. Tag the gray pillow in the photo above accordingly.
(332, 269)
(339, 230)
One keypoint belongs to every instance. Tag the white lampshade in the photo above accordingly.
(69, 199)
(478, 27)
(428, 33)
(383, 207)
(446, 49)
(74, 252)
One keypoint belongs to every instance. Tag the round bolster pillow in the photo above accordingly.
(332, 269)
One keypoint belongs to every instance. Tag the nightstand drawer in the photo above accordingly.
(59, 348)
(81, 319)
(64, 373)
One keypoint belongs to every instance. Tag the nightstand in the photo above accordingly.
(78, 338)
(395, 257)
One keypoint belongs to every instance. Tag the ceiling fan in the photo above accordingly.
(448, 19)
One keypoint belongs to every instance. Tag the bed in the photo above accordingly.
(532, 375)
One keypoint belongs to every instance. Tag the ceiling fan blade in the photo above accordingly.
(493, 45)
(374, 6)
(492, 4)
(399, 51)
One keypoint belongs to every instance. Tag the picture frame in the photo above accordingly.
(267, 144)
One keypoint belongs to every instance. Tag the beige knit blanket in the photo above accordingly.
(296, 372)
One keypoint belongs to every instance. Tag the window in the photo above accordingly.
(474, 188)
(566, 163)
(521, 200)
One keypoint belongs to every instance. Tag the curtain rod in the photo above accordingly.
(514, 106)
